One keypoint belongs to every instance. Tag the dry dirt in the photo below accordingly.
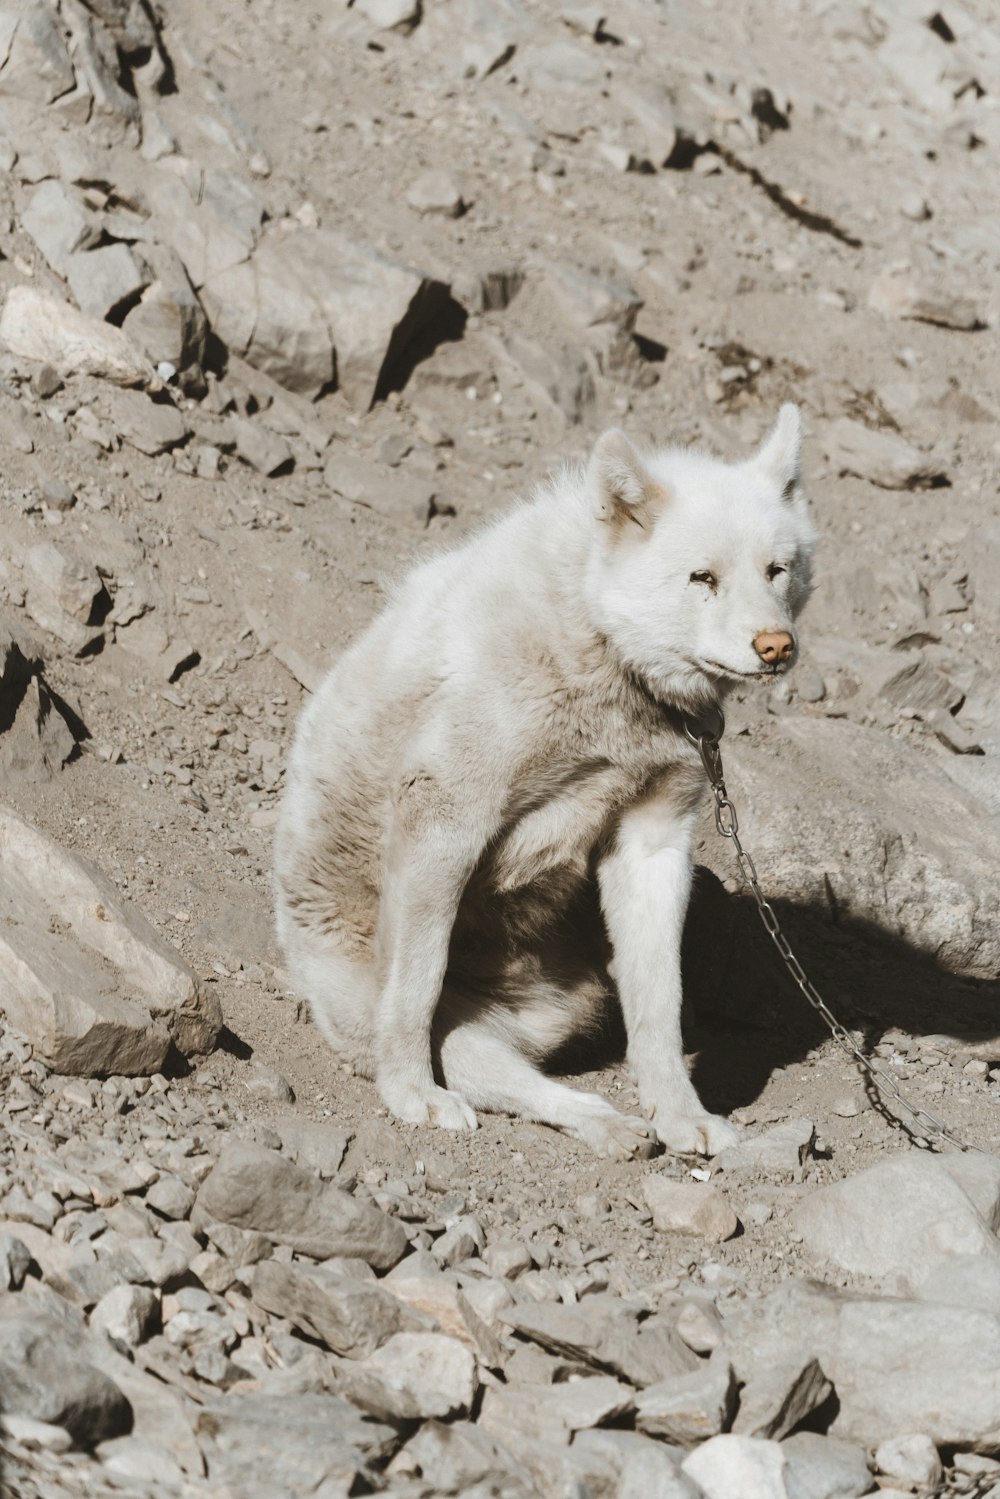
(870, 161)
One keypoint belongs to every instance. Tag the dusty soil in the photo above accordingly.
(754, 264)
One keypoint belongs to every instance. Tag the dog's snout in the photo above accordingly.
(774, 646)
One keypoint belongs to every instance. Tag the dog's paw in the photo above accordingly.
(694, 1134)
(618, 1136)
(431, 1105)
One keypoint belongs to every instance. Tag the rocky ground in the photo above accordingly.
(292, 296)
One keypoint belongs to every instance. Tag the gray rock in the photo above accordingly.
(508, 1258)
(57, 496)
(653, 135)
(40, 1378)
(555, 374)
(809, 685)
(308, 1143)
(644, 1467)
(91, 983)
(779, 1151)
(777, 1399)
(352, 1317)
(170, 1197)
(920, 686)
(59, 224)
(397, 496)
(436, 192)
(964, 1280)
(691, 1208)
(605, 1339)
(306, 295)
(460, 1454)
(983, 543)
(825, 1468)
(561, 66)
(85, 1281)
(896, 1366)
(239, 1245)
(162, 1261)
(317, 1442)
(165, 654)
(35, 325)
(689, 1407)
(128, 1313)
(15, 1261)
(913, 1460)
(700, 1325)
(417, 1282)
(413, 1376)
(38, 740)
(103, 280)
(210, 219)
(391, 15)
(141, 1461)
(169, 323)
(461, 1240)
(98, 67)
(894, 1221)
(150, 426)
(39, 1435)
(67, 581)
(266, 452)
(37, 66)
(553, 1412)
(257, 1189)
(904, 845)
(729, 1465)
(559, 1469)
(882, 457)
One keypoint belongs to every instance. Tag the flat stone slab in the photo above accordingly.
(258, 1189)
(86, 978)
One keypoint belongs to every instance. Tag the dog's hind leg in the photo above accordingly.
(481, 1060)
(342, 995)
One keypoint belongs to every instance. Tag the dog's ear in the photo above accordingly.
(625, 490)
(780, 454)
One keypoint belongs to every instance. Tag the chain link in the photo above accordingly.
(727, 823)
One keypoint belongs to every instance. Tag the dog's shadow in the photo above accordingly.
(744, 1016)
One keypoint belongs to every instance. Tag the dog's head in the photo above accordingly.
(699, 568)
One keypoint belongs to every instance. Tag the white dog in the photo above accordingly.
(508, 737)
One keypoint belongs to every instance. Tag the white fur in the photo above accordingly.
(509, 727)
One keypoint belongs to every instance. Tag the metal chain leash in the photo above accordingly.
(727, 823)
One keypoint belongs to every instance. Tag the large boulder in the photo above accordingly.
(896, 1366)
(895, 1221)
(314, 305)
(831, 810)
(87, 979)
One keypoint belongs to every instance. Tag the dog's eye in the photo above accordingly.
(775, 571)
(709, 579)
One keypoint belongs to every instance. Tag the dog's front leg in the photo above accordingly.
(645, 881)
(428, 865)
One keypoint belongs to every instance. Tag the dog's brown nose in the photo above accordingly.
(773, 646)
